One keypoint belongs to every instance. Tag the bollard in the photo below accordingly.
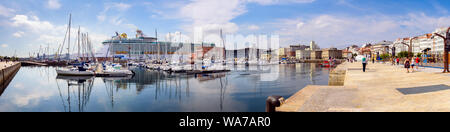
(272, 102)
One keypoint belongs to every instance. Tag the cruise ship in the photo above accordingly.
(144, 48)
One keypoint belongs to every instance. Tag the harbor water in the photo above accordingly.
(244, 89)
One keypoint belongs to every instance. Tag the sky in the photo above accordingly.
(27, 25)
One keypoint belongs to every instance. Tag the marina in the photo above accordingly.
(224, 56)
(243, 89)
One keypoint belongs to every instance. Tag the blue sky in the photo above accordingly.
(25, 25)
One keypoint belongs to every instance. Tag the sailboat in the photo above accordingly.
(112, 69)
(115, 70)
(220, 65)
(79, 70)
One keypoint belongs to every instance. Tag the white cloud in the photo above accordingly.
(53, 4)
(4, 45)
(177, 37)
(18, 34)
(117, 20)
(114, 13)
(101, 18)
(253, 27)
(215, 15)
(271, 2)
(334, 30)
(45, 32)
(119, 8)
(132, 27)
(33, 23)
(300, 25)
(6, 11)
(205, 14)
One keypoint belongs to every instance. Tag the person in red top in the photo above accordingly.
(398, 61)
(417, 62)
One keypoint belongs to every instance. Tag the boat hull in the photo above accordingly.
(74, 73)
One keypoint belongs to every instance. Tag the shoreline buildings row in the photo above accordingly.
(311, 52)
(424, 43)
(428, 45)
(150, 48)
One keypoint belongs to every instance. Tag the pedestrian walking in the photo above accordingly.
(364, 62)
(413, 63)
(392, 61)
(398, 61)
(407, 64)
(373, 60)
(417, 62)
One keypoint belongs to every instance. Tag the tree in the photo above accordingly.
(385, 57)
(405, 54)
(419, 54)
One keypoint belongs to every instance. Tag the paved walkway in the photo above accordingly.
(4, 64)
(382, 87)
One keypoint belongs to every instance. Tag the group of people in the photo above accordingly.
(408, 63)
(411, 64)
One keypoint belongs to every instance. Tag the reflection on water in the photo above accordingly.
(243, 90)
(79, 88)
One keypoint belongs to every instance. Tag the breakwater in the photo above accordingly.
(7, 73)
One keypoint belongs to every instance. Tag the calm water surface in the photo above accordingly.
(242, 90)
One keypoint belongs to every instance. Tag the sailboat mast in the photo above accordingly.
(159, 48)
(78, 41)
(68, 43)
(224, 49)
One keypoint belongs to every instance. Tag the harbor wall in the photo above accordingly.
(7, 74)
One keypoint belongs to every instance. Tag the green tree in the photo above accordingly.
(405, 54)
(385, 57)
(419, 54)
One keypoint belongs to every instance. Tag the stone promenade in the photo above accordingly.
(382, 87)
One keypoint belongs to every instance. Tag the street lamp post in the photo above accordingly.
(446, 48)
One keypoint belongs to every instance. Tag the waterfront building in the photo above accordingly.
(283, 53)
(303, 54)
(248, 53)
(380, 48)
(347, 54)
(298, 47)
(399, 46)
(317, 54)
(423, 44)
(438, 43)
(331, 53)
(313, 46)
(365, 50)
(354, 49)
(292, 53)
